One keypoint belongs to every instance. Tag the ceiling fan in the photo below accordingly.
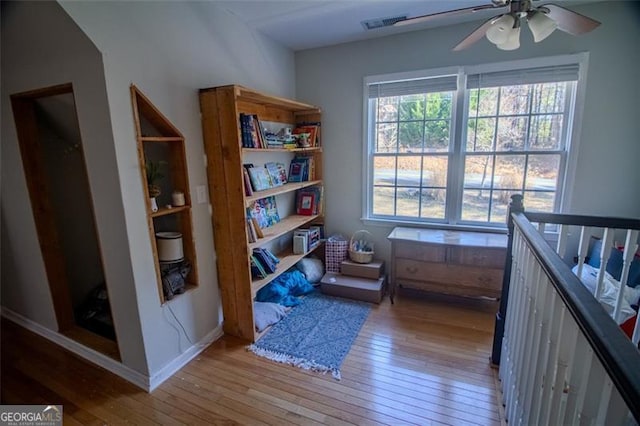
(504, 30)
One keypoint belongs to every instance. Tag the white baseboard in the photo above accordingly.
(142, 381)
(172, 367)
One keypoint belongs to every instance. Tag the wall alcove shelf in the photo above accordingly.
(161, 142)
(221, 108)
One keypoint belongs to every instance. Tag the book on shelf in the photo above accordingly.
(252, 131)
(309, 238)
(302, 168)
(267, 257)
(259, 131)
(277, 172)
(252, 235)
(311, 130)
(264, 260)
(260, 178)
(296, 171)
(309, 201)
(248, 190)
(246, 131)
(257, 270)
(264, 211)
(256, 226)
(305, 204)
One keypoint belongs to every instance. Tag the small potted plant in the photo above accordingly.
(154, 174)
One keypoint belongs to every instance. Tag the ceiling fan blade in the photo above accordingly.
(447, 14)
(570, 21)
(476, 35)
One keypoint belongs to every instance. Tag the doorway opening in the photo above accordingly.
(56, 174)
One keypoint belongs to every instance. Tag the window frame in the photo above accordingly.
(456, 154)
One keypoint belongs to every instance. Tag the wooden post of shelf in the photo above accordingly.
(515, 206)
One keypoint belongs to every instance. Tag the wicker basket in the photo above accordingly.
(358, 253)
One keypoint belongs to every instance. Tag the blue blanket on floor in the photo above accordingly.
(285, 289)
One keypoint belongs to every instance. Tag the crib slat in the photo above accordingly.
(585, 235)
(563, 236)
(635, 338)
(605, 253)
(630, 248)
(541, 228)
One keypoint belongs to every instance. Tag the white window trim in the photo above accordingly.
(573, 136)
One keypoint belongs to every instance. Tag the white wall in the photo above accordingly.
(608, 172)
(169, 50)
(42, 47)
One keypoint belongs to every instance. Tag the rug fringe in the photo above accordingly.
(295, 361)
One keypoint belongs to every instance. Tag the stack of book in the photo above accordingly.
(253, 134)
(306, 239)
(263, 263)
(309, 201)
(253, 230)
(301, 169)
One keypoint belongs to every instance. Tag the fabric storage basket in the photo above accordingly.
(336, 248)
(361, 248)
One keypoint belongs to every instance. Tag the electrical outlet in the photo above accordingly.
(201, 194)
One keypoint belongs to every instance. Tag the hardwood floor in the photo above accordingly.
(424, 360)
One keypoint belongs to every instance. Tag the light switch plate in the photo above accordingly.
(201, 194)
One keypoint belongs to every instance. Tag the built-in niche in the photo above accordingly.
(56, 174)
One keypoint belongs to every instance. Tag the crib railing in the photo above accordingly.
(563, 359)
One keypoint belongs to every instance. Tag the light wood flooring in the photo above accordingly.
(424, 360)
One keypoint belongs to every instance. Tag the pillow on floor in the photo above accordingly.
(313, 269)
(266, 314)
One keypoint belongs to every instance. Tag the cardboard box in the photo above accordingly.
(364, 289)
(372, 270)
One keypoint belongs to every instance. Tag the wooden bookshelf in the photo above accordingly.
(221, 108)
(159, 140)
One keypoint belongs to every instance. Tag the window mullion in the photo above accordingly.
(455, 175)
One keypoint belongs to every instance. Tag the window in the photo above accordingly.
(440, 154)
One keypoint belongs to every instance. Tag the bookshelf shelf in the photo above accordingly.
(163, 211)
(222, 109)
(266, 150)
(288, 187)
(287, 260)
(161, 139)
(287, 224)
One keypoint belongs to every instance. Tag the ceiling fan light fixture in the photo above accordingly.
(512, 42)
(541, 26)
(501, 29)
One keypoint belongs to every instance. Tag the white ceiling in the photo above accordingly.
(305, 24)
